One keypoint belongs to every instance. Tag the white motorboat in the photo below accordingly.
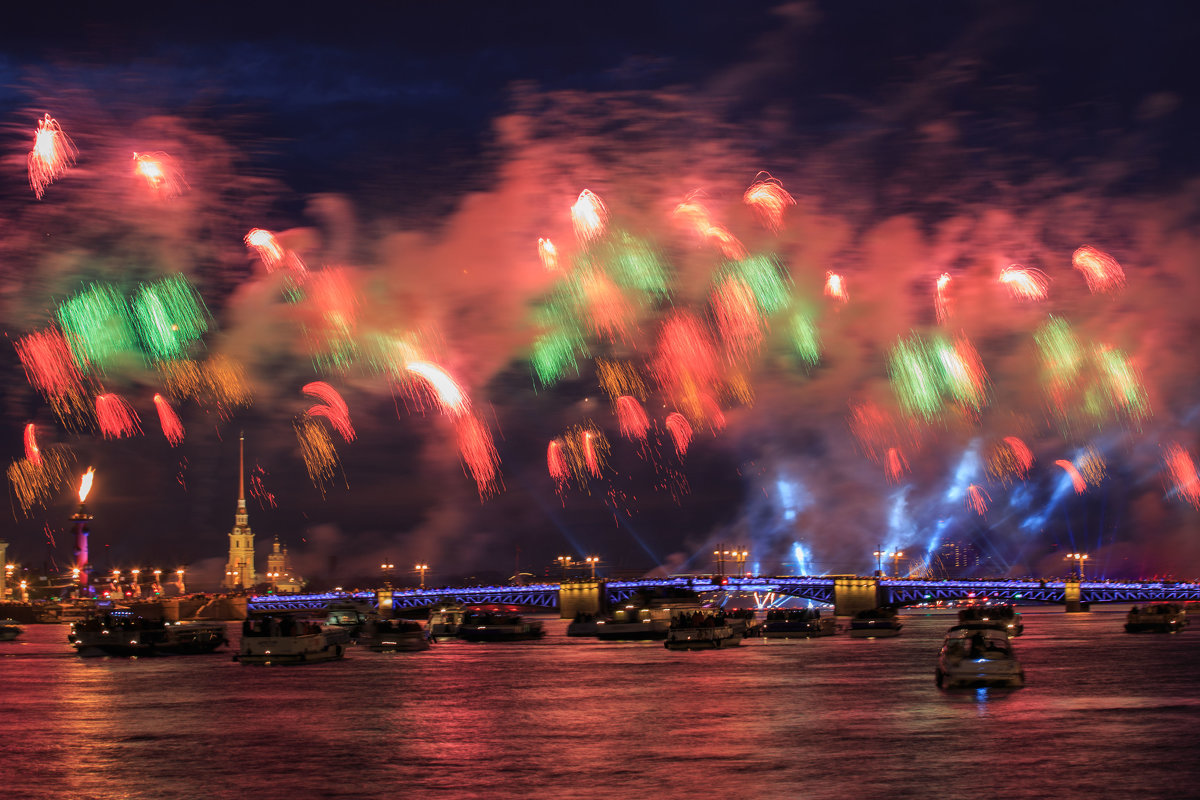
(122, 633)
(635, 624)
(1156, 618)
(699, 630)
(285, 640)
(393, 636)
(875, 623)
(975, 656)
(444, 621)
(485, 625)
(1005, 617)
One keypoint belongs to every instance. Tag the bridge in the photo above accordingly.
(842, 591)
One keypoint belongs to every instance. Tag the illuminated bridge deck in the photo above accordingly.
(819, 589)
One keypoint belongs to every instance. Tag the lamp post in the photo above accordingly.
(879, 554)
(896, 556)
(137, 587)
(8, 573)
(592, 561)
(1078, 558)
(566, 565)
(421, 569)
(721, 553)
(387, 568)
(739, 557)
(157, 585)
(179, 580)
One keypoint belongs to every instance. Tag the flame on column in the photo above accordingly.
(85, 483)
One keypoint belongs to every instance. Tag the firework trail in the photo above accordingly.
(589, 216)
(737, 318)
(52, 369)
(1125, 390)
(617, 378)
(1025, 283)
(172, 428)
(273, 254)
(317, 450)
(219, 381)
(32, 453)
(608, 309)
(768, 199)
(631, 418)
(37, 483)
(52, 155)
(963, 372)
(116, 417)
(479, 454)
(978, 499)
(168, 314)
(1076, 479)
(695, 215)
(685, 361)
(681, 432)
(1010, 458)
(162, 175)
(806, 338)
(258, 488)
(1100, 270)
(548, 253)
(450, 396)
(941, 301)
(895, 465)
(556, 465)
(835, 287)
(1092, 466)
(1181, 472)
(332, 407)
(586, 451)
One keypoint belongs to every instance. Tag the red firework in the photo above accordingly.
(737, 318)
(1021, 453)
(52, 155)
(478, 453)
(681, 432)
(172, 428)
(895, 465)
(941, 300)
(1100, 270)
(768, 199)
(978, 499)
(686, 361)
(116, 417)
(835, 287)
(1181, 470)
(49, 363)
(32, 453)
(556, 464)
(1076, 479)
(450, 396)
(332, 407)
(548, 253)
(1025, 283)
(631, 418)
(161, 174)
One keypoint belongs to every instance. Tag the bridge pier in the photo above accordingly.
(1073, 597)
(852, 594)
(383, 600)
(586, 597)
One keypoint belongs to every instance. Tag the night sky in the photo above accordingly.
(413, 155)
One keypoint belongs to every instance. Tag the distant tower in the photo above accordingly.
(279, 570)
(239, 571)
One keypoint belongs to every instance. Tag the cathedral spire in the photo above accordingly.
(242, 470)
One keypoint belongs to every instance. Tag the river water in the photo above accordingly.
(1105, 714)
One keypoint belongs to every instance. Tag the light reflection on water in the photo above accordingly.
(1105, 714)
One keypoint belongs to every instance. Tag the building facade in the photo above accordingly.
(239, 569)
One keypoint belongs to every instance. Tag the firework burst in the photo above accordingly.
(548, 253)
(316, 448)
(161, 174)
(589, 216)
(1100, 270)
(1181, 474)
(681, 432)
(631, 418)
(978, 499)
(116, 417)
(172, 428)
(38, 483)
(52, 155)
(478, 453)
(835, 287)
(768, 199)
(1076, 479)
(332, 407)
(1024, 283)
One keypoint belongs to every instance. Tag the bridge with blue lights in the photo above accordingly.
(767, 590)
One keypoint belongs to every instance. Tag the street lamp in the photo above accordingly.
(387, 577)
(896, 556)
(721, 553)
(592, 562)
(179, 579)
(566, 565)
(739, 557)
(879, 554)
(421, 569)
(157, 585)
(1078, 558)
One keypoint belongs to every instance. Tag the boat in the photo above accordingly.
(797, 623)
(288, 640)
(977, 657)
(1005, 617)
(350, 615)
(742, 620)
(483, 625)
(632, 624)
(875, 623)
(444, 621)
(69, 613)
(584, 624)
(10, 629)
(1156, 618)
(392, 636)
(700, 630)
(120, 632)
